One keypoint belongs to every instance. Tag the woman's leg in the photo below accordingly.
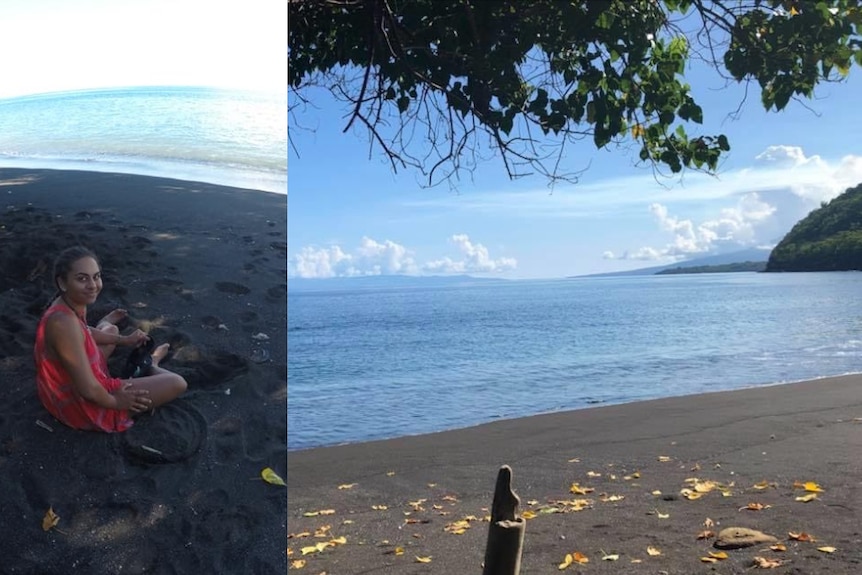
(110, 328)
(108, 324)
(164, 386)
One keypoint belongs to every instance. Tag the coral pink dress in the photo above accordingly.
(58, 393)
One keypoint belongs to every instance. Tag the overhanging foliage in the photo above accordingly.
(431, 80)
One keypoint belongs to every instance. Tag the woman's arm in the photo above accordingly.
(63, 335)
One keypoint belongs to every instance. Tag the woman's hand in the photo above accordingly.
(134, 339)
(130, 398)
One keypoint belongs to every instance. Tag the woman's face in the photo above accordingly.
(83, 282)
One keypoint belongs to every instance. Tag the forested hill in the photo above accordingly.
(827, 239)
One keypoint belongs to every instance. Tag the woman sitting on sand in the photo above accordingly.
(72, 375)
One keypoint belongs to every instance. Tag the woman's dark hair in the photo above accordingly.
(64, 261)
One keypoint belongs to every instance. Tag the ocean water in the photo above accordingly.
(375, 364)
(224, 137)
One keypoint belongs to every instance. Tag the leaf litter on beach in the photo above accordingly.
(694, 489)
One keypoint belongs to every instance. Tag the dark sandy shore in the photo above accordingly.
(378, 507)
(202, 267)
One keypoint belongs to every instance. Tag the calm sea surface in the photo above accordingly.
(218, 136)
(377, 364)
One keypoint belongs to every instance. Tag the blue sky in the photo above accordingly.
(350, 215)
(59, 45)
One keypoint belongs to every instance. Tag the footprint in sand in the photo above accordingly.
(211, 322)
(277, 293)
(248, 317)
(233, 288)
(162, 285)
(174, 432)
(215, 370)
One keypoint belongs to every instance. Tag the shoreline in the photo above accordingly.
(269, 182)
(773, 436)
(199, 266)
(573, 410)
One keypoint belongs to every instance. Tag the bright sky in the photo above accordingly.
(58, 45)
(349, 215)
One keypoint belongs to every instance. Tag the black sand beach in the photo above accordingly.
(202, 267)
(380, 507)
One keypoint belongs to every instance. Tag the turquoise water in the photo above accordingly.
(376, 364)
(218, 136)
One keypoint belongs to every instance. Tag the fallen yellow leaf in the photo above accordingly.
(338, 541)
(613, 557)
(812, 487)
(664, 458)
(827, 549)
(801, 536)
(578, 490)
(579, 557)
(529, 514)
(272, 477)
(50, 520)
(709, 559)
(763, 563)
(721, 555)
(755, 507)
(379, 507)
(390, 473)
(653, 551)
(423, 559)
(762, 485)
(807, 498)
(347, 486)
(707, 534)
(593, 474)
(297, 564)
(778, 547)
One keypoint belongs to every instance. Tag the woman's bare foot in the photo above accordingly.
(114, 317)
(159, 353)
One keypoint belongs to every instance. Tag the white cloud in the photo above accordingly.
(389, 258)
(734, 228)
(477, 259)
(786, 156)
(779, 190)
(320, 263)
(386, 258)
(370, 258)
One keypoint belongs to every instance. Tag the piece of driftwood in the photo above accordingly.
(506, 531)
